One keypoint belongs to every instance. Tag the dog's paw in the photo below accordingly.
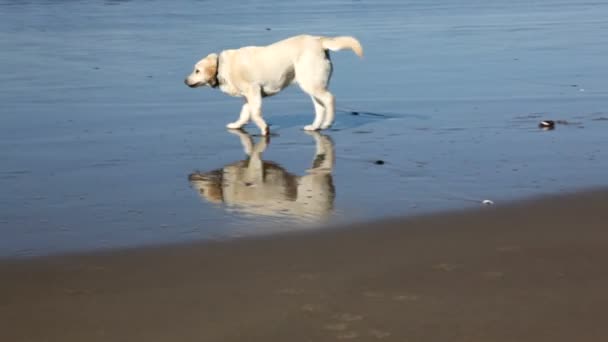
(265, 131)
(326, 126)
(310, 128)
(234, 125)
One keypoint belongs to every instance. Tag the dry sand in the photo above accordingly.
(534, 271)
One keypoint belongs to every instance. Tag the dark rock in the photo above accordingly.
(547, 124)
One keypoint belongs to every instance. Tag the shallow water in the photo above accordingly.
(99, 136)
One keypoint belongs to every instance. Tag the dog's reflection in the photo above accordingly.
(259, 187)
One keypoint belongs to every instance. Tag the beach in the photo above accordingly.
(102, 145)
(531, 271)
(434, 209)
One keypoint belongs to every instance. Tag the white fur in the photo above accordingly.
(254, 72)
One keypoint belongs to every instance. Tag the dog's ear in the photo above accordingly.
(211, 69)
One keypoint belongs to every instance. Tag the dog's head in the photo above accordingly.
(204, 73)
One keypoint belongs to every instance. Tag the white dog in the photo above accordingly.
(254, 72)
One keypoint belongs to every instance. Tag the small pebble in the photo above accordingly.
(354, 113)
(487, 202)
(379, 162)
(547, 124)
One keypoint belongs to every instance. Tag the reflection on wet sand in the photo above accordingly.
(258, 187)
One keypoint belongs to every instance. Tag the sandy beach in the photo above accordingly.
(129, 213)
(103, 146)
(533, 271)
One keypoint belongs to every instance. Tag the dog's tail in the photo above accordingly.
(343, 42)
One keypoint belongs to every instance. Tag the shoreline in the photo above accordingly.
(527, 271)
(321, 228)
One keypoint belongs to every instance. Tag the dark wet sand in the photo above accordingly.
(534, 271)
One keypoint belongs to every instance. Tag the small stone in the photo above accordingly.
(549, 124)
(379, 162)
(487, 202)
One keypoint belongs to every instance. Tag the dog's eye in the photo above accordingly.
(197, 71)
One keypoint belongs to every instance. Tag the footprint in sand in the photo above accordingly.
(347, 335)
(311, 308)
(372, 294)
(348, 317)
(406, 298)
(379, 333)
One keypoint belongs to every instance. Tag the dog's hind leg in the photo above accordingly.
(243, 118)
(319, 115)
(330, 109)
(327, 100)
(313, 71)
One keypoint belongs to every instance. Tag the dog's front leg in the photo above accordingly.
(254, 99)
(243, 118)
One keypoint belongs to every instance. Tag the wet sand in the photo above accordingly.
(531, 271)
(103, 147)
(97, 146)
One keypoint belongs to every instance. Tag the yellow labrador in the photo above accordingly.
(254, 72)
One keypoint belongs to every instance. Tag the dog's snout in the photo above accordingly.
(194, 85)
